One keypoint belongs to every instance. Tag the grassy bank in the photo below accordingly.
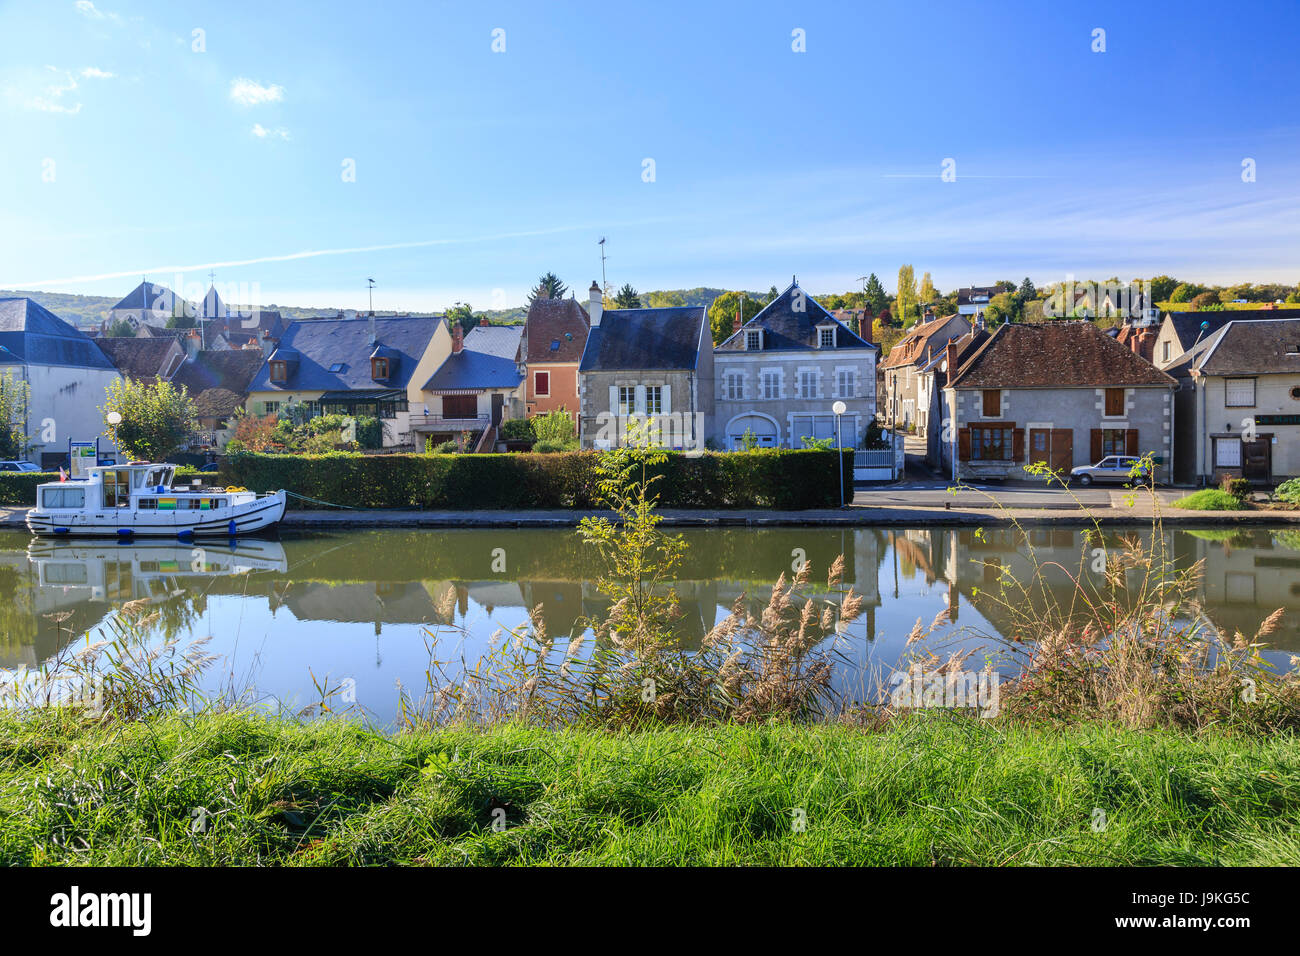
(933, 790)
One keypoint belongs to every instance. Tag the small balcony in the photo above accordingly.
(436, 423)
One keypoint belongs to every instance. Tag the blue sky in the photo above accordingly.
(127, 151)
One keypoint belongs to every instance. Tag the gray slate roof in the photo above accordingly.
(786, 329)
(320, 343)
(33, 335)
(1253, 347)
(486, 362)
(149, 295)
(1188, 325)
(634, 339)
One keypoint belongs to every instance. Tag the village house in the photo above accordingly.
(974, 300)
(150, 304)
(932, 377)
(218, 381)
(475, 389)
(372, 366)
(143, 359)
(67, 375)
(905, 407)
(1180, 331)
(779, 374)
(221, 327)
(1060, 393)
(1238, 405)
(554, 335)
(646, 364)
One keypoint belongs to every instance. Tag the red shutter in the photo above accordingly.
(1096, 446)
(963, 444)
(1018, 445)
(1131, 441)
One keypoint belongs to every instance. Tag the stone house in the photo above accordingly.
(779, 374)
(900, 369)
(646, 364)
(1061, 393)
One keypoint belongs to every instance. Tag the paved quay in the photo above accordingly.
(899, 506)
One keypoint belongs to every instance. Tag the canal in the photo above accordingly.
(361, 605)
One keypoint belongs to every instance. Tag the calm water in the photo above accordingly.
(358, 604)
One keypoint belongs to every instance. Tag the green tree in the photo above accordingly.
(182, 321)
(627, 298)
(462, 314)
(1185, 292)
(548, 286)
(877, 298)
(15, 393)
(1162, 288)
(1026, 293)
(156, 418)
(772, 293)
(905, 302)
(1207, 302)
(928, 292)
(722, 314)
(121, 329)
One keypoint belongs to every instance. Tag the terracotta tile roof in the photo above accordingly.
(1057, 354)
(555, 331)
(141, 359)
(911, 348)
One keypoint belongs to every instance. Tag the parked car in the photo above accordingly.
(19, 466)
(1119, 468)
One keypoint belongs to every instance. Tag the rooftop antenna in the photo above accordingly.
(604, 286)
(372, 295)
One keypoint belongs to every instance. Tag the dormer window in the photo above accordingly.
(826, 337)
(379, 368)
(279, 371)
(753, 340)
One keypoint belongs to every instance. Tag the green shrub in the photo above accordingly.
(517, 429)
(1239, 488)
(443, 448)
(19, 487)
(1288, 491)
(556, 427)
(549, 446)
(769, 478)
(1209, 499)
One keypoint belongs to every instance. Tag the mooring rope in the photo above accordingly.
(317, 501)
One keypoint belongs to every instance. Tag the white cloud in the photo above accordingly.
(94, 73)
(262, 132)
(248, 92)
(87, 9)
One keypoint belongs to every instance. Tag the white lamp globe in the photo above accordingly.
(839, 408)
(114, 418)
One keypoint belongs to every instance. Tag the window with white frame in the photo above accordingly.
(826, 338)
(844, 383)
(771, 383)
(626, 399)
(735, 385)
(807, 383)
(1240, 392)
(654, 399)
(753, 340)
(1227, 453)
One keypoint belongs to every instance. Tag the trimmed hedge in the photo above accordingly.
(767, 478)
(18, 488)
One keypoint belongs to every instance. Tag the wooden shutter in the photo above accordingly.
(1096, 446)
(1018, 445)
(963, 444)
(613, 400)
(666, 399)
(1131, 441)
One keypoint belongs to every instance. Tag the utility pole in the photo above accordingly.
(604, 286)
(372, 295)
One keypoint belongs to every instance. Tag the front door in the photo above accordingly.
(1257, 459)
(1053, 447)
(497, 402)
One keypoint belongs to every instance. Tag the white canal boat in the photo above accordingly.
(139, 500)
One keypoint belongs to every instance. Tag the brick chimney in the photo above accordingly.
(950, 357)
(735, 323)
(457, 338)
(864, 325)
(929, 315)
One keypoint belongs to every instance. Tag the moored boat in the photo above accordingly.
(138, 499)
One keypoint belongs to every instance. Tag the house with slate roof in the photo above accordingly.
(372, 366)
(1237, 410)
(218, 381)
(150, 304)
(905, 406)
(67, 373)
(1061, 393)
(654, 366)
(1181, 331)
(475, 389)
(554, 335)
(779, 374)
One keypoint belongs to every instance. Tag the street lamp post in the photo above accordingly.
(839, 408)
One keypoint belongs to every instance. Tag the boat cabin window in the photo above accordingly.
(158, 476)
(117, 488)
(63, 497)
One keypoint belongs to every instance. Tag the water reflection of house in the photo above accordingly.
(1245, 578)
